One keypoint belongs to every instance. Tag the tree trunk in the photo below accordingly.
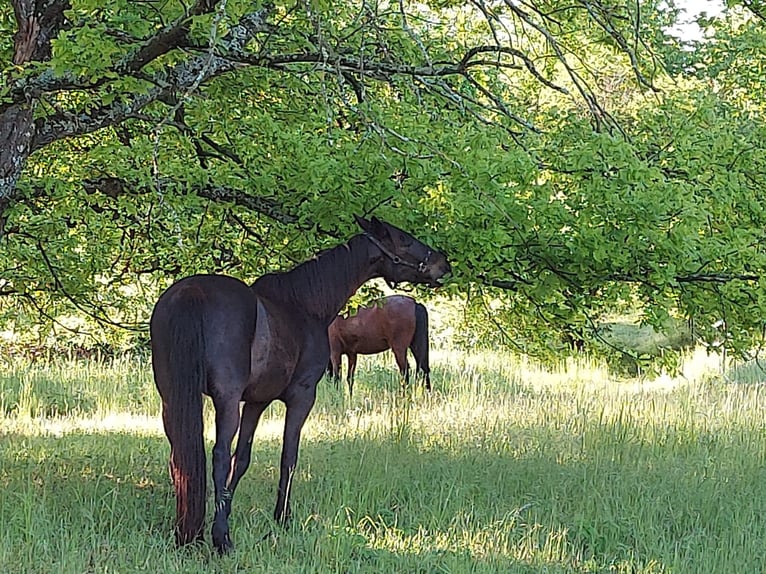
(16, 131)
(38, 21)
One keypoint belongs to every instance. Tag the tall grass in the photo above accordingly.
(504, 467)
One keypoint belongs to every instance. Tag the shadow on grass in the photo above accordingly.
(92, 501)
(85, 502)
(750, 372)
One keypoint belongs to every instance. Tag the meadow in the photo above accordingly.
(505, 467)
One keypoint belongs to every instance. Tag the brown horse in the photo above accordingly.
(396, 322)
(215, 335)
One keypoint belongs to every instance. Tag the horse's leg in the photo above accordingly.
(400, 353)
(251, 414)
(226, 425)
(335, 366)
(421, 364)
(351, 371)
(299, 406)
(419, 344)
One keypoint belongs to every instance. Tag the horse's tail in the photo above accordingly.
(419, 345)
(182, 415)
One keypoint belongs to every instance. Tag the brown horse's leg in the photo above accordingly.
(401, 360)
(335, 366)
(419, 345)
(421, 365)
(351, 371)
(299, 405)
(226, 425)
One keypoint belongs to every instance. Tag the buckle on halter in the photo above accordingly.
(423, 264)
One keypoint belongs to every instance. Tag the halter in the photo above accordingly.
(421, 267)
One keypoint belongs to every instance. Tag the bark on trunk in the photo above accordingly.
(38, 21)
(16, 131)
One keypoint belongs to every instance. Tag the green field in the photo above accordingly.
(504, 468)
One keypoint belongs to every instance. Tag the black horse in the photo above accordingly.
(396, 322)
(214, 335)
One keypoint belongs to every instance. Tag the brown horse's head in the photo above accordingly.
(404, 257)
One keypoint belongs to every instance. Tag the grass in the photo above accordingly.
(505, 467)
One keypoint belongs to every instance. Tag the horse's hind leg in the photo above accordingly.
(299, 405)
(419, 344)
(421, 364)
(226, 425)
(351, 371)
(335, 366)
(400, 353)
(251, 414)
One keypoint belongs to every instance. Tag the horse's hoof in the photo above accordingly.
(282, 518)
(225, 546)
(222, 541)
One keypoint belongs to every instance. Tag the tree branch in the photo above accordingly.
(179, 78)
(271, 208)
(38, 23)
(167, 39)
(700, 278)
(757, 7)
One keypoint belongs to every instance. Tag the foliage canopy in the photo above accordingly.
(572, 157)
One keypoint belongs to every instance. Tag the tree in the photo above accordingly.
(541, 143)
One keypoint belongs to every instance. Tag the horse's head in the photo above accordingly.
(404, 258)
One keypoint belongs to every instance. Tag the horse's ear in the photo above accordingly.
(362, 222)
(373, 226)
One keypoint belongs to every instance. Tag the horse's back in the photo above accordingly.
(376, 328)
(398, 320)
(223, 309)
(363, 333)
(399, 303)
(227, 303)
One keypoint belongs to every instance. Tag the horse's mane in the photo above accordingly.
(322, 284)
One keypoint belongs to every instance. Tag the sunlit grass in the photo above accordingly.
(506, 466)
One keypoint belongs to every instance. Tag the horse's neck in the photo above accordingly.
(349, 267)
(323, 285)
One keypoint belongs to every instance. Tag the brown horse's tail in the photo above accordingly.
(419, 345)
(182, 415)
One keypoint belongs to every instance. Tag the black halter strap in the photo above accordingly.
(421, 267)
